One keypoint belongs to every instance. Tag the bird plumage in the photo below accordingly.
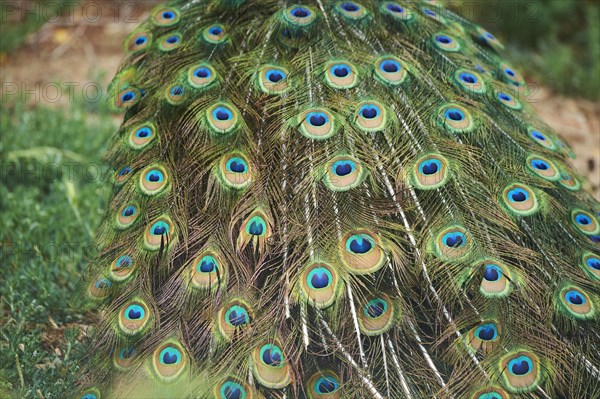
(337, 200)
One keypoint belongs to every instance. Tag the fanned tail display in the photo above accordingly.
(338, 199)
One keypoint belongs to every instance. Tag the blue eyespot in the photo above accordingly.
(125, 171)
(454, 114)
(319, 277)
(395, 8)
(143, 132)
(340, 70)
(103, 283)
(203, 73)
(129, 210)
(489, 36)
(454, 239)
(300, 12)
(593, 263)
(430, 166)
(215, 30)
(538, 136)
(431, 14)
(207, 264)
(521, 365)
(159, 228)
(317, 119)
(480, 68)
(126, 353)
(237, 165)
(443, 38)
(325, 385)
(170, 355)
(359, 244)
(540, 164)
(124, 261)
(237, 316)
(504, 97)
(509, 72)
(343, 168)
(168, 15)
(574, 297)
(232, 390)
(256, 226)
(350, 7)
(140, 40)
(128, 96)
(177, 91)
(518, 195)
(222, 114)
(486, 332)
(271, 355)
(275, 75)
(492, 273)
(155, 176)
(172, 39)
(467, 77)
(134, 312)
(582, 219)
(89, 396)
(375, 308)
(369, 111)
(390, 66)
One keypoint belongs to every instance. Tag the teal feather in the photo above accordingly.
(337, 199)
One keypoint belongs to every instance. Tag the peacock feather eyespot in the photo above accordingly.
(543, 167)
(591, 265)
(484, 337)
(154, 179)
(208, 272)
(564, 147)
(141, 136)
(455, 118)
(202, 76)
(269, 365)
(446, 42)
(126, 98)
(390, 70)
(169, 361)
(585, 222)
(508, 101)
(485, 37)
(511, 75)
(123, 359)
(396, 11)
(121, 268)
(126, 216)
(215, 34)
(134, 317)
(341, 74)
(496, 281)
(175, 94)
(123, 175)
(166, 16)
(324, 385)
(453, 243)
(520, 199)
(160, 232)
(569, 181)
(273, 79)
(576, 303)
(232, 388)
(343, 173)
(351, 10)
(235, 171)
(490, 393)
(361, 252)
(317, 124)
(300, 16)
(429, 172)
(100, 288)
(520, 371)
(139, 41)
(470, 81)
(377, 315)
(370, 116)
(222, 118)
(541, 138)
(91, 393)
(170, 42)
(319, 284)
(234, 317)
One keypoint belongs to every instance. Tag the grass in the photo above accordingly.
(50, 209)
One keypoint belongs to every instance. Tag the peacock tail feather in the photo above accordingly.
(338, 199)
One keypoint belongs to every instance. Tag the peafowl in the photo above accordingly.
(337, 199)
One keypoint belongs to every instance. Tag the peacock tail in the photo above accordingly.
(337, 199)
